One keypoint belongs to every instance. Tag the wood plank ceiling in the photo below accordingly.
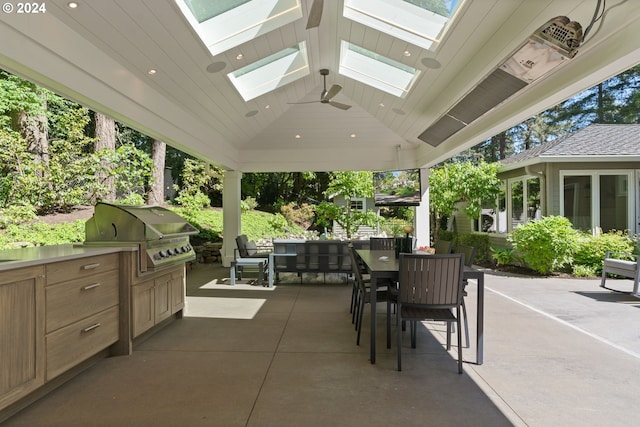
(100, 52)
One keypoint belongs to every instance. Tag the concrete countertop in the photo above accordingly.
(27, 257)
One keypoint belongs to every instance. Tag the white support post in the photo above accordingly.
(422, 230)
(231, 224)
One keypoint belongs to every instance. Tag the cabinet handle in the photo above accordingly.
(92, 286)
(92, 327)
(91, 266)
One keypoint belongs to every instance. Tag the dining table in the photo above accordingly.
(383, 265)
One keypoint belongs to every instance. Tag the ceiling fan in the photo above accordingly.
(315, 14)
(327, 95)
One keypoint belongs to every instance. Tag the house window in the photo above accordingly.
(597, 199)
(493, 217)
(358, 204)
(524, 196)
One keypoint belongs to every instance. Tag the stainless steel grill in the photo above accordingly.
(162, 235)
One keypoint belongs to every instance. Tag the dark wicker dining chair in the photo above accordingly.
(430, 288)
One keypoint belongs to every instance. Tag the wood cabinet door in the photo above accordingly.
(163, 297)
(177, 291)
(21, 333)
(143, 307)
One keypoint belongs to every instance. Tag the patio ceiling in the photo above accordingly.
(100, 52)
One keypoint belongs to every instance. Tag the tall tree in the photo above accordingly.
(105, 134)
(156, 188)
(26, 106)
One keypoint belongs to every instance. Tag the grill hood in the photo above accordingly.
(121, 223)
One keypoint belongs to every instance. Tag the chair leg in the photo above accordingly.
(356, 307)
(354, 290)
(359, 322)
(449, 332)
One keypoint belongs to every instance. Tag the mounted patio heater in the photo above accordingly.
(549, 46)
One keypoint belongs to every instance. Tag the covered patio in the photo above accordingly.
(557, 352)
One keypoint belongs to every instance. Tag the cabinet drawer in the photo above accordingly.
(68, 302)
(81, 267)
(72, 344)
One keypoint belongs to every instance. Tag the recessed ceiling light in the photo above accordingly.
(266, 107)
(406, 53)
(251, 113)
(72, 5)
(353, 135)
(298, 136)
(381, 104)
(152, 71)
(239, 56)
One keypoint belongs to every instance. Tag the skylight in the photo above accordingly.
(222, 25)
(417, 22)
(376, 70)
(271, 72)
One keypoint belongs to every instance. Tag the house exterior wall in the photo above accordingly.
(551, 176)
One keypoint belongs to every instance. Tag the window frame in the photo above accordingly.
(596, 194)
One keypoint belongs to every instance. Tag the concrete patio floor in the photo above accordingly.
(558, 352)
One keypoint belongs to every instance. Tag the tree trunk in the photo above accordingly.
(34, 130)
(502, 139)
(106, 140)
(158, 154)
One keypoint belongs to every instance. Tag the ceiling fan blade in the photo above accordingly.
(315, 14)
(333, 91)
(339, 105)
(306, 102)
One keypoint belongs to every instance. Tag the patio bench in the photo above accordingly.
(625, 265)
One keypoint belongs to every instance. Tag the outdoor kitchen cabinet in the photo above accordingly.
(157, 298)
(22, 320)
(82, 310)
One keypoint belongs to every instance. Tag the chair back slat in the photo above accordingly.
(382, 243)
(434, 280)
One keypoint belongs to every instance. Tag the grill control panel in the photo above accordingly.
(164, 252)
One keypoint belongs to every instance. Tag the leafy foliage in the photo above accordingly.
(42, 234)
(301, 215)
(591, 250)
(349, 185)
(546, 244)
(196, 176)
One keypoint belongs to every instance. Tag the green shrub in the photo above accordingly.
(278, 223)
(503, 256)
(17, 214)
(43, 234)
(248, 204)
(546, 244)
(301, 215)
(478, 241)
(447, 235)
(584, 271)
(591, 250)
